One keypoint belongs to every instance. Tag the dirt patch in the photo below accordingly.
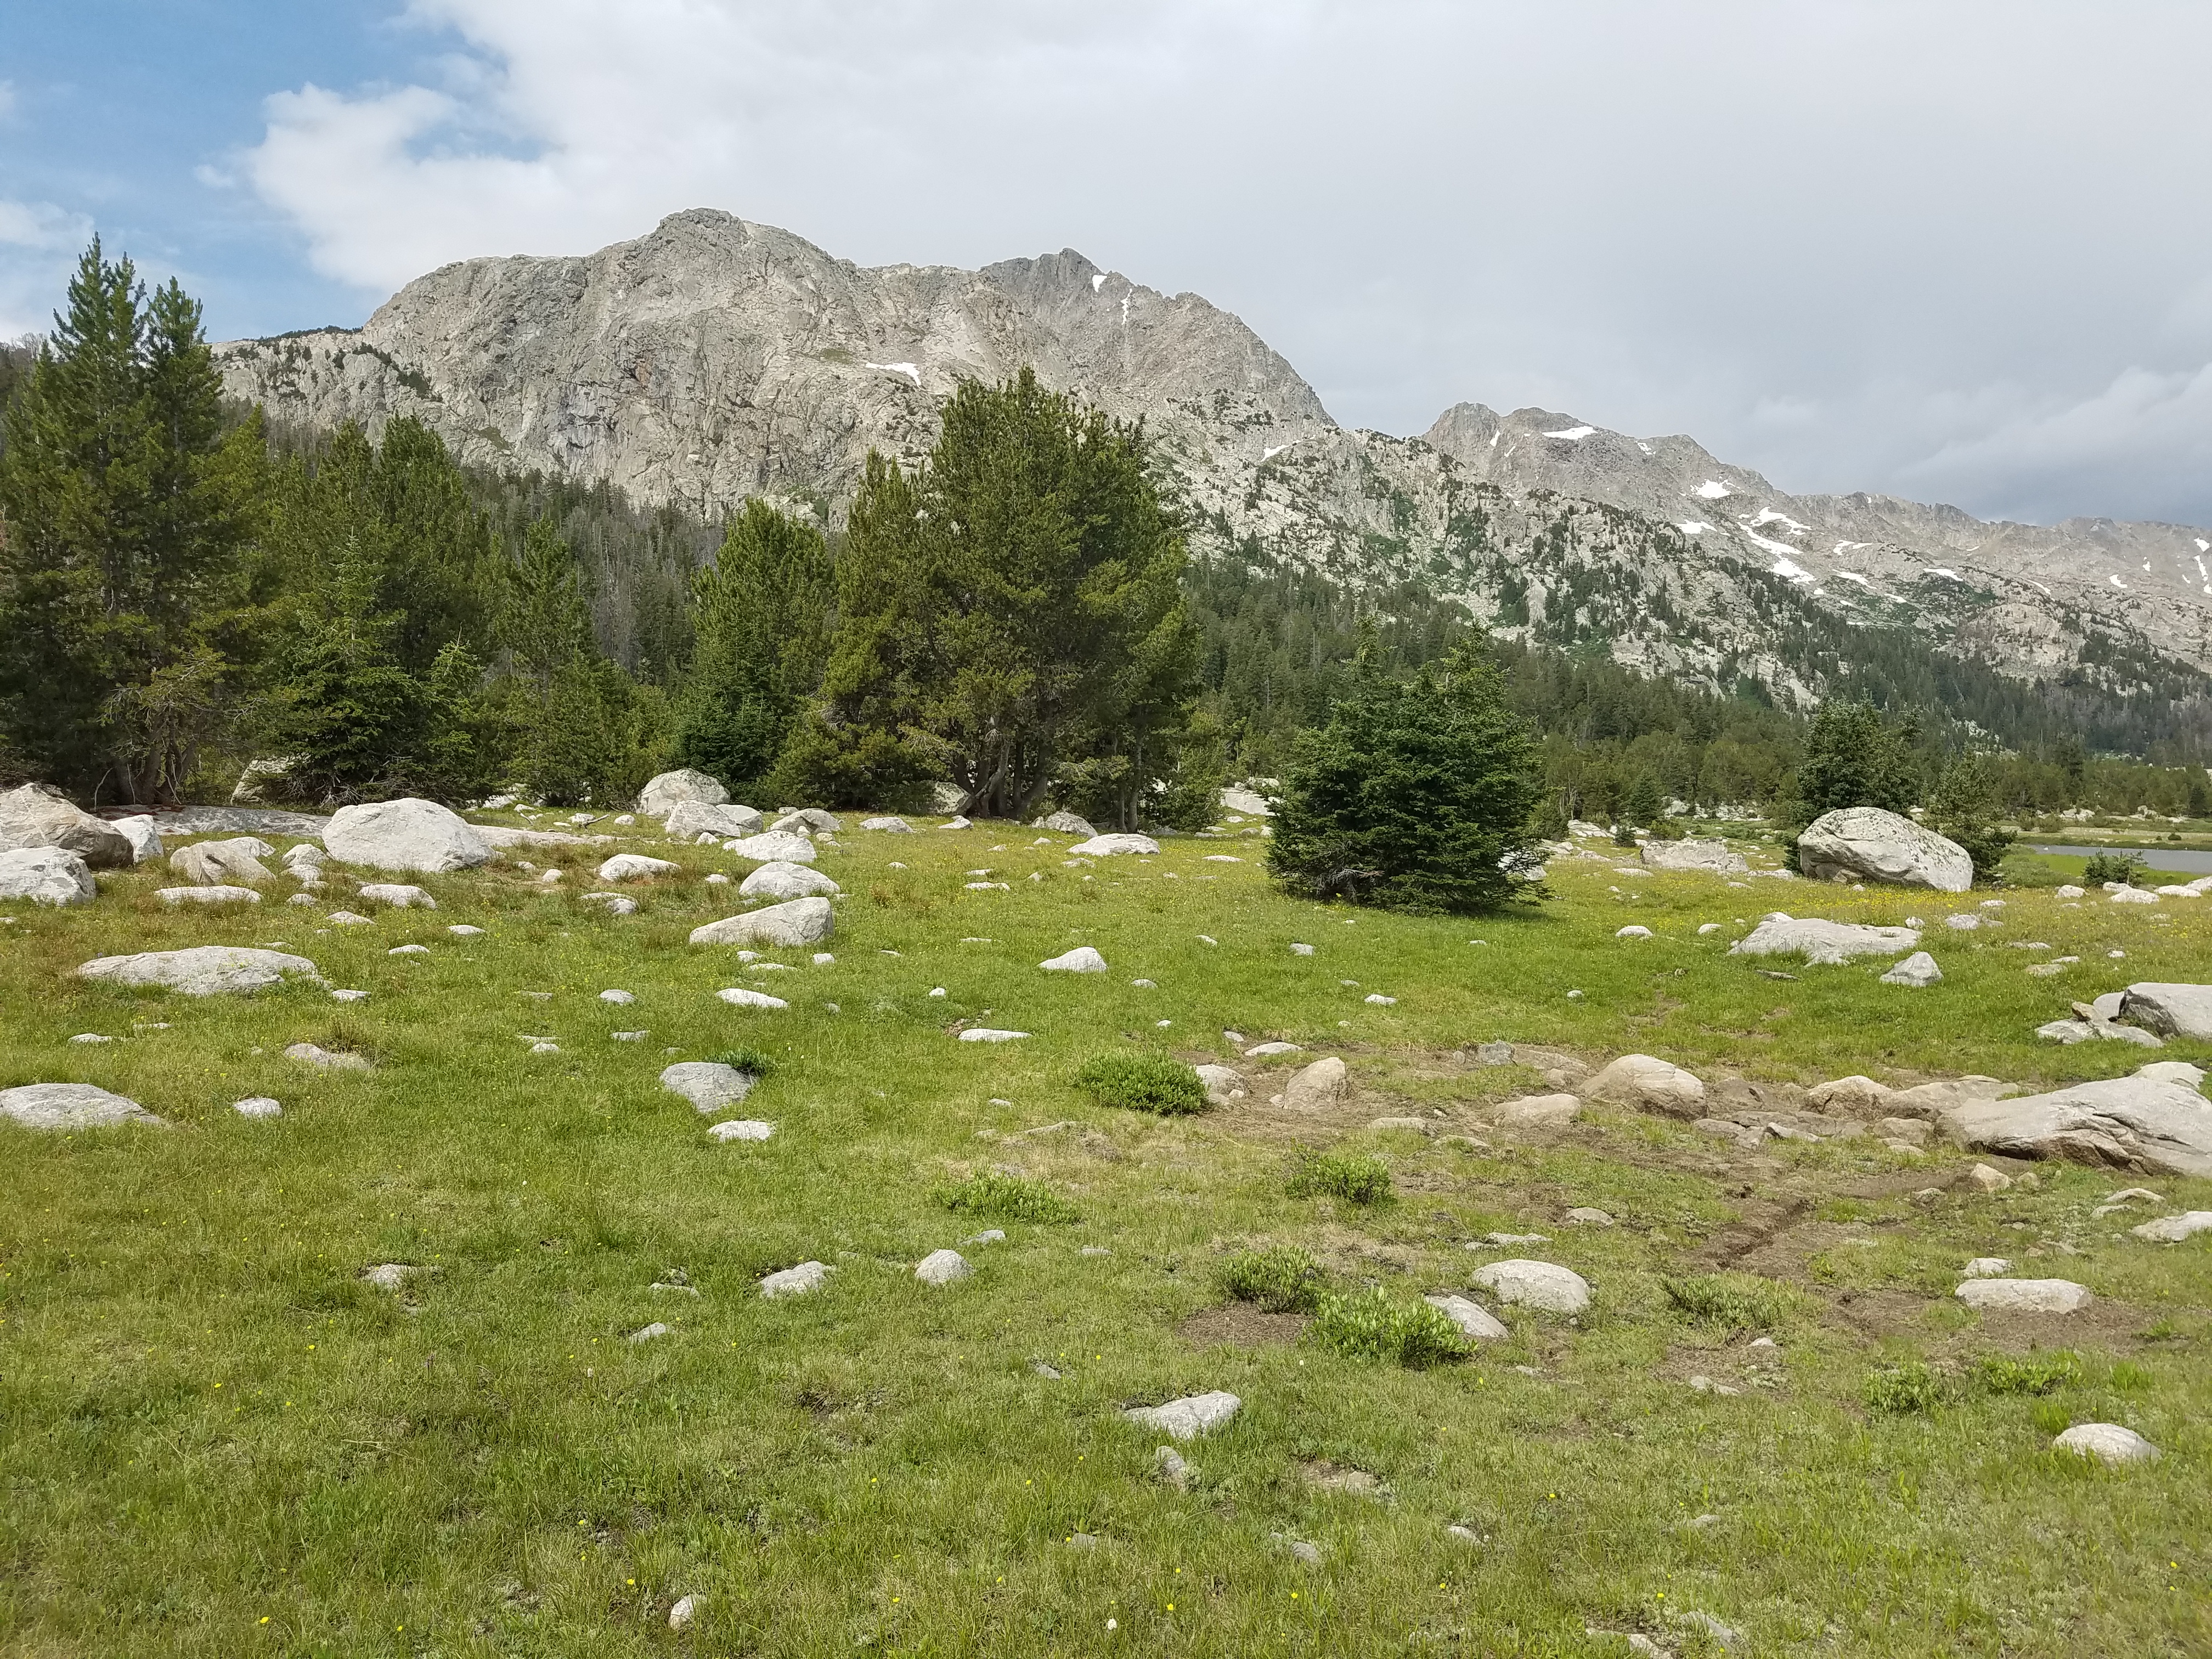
(1239, 1325)
(1735, 1365)
(1732, 1245)
(2104, 1326)
(1325, 1476)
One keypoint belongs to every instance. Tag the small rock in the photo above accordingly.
(987, 1034)
(1261, 1050)
(1917, 971)
(1419, 1125)
(1473, 1320)
(615, 904)
(1188, 1418)
(1465, 1534)
(797, 1281)
(1299, 1549)
(462, 930)
(1633, 931)
(1536, 1112)
(1585, 1217)
(2030, 1296)
(1081, 960)
(1541, 1285)
(390, 1275)
(1170, 1467)
(687, 1608)
(1301, 950)
(1987, 1266)
(1381, 1001)
(349, 996)
(257, 1106)
(738, 997)
(651, 1332)
(409, 950)
(988, 1236)
(1985, 1179)
(544, 1046)
(742, 1128)
(398, 897)
(2174, 1229)
(629, 1036)
(1316, 1087)
(2108, 1443)
(323, 1059)
(942, 1268)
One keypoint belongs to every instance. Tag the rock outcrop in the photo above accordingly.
(1865, 843)
(47, 875)
(2156, 1121)
(32, 818)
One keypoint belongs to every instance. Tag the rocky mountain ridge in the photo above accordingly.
(713, 359)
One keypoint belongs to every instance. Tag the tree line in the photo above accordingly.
(184, 587)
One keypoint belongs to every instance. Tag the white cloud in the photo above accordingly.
(1882, 245)
(39, 244)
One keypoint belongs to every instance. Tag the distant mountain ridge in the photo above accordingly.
(713, 359)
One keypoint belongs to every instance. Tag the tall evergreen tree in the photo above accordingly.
(1856, 757)
(1012, 607)
(761, 622)
(121, 530)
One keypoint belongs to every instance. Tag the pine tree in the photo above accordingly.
(123, 528)
(1417, 795)
(1964, 807)
(1854, 757)
(761, 621)
(1014, 606)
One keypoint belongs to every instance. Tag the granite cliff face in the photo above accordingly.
(714, 359)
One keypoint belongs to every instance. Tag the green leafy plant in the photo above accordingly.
(1373, 1326)
(1143, 1083)
(1902, 1389)
(2034, 1373)
(1281, 1279)
(1731, 1302)
(997, 1197)
(1356, 1180)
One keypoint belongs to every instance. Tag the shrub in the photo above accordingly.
(1900, 1390)
(997, 1197)
(1372, 1326)
(1356, 1180)
(2034, 1373)
(1283, 1280)
(747, 1059)
(2111, 867)
(1143, 1083)
(1731, 1302)
(1417, 795)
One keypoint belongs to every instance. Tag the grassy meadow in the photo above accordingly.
(216, 1439)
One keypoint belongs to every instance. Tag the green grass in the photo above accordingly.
(1733, 1302)
(1143, 1083)
(209, 1420)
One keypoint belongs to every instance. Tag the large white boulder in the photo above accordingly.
(774, 847)
(1542, 1284)
(1474, 1320)
(687, 820)
(407, 835)
(670, 789)
(223, 863)
(801, 921)
(2173, 1011)
(1107, 845)
(2156, 1121)
(1865, 843)
(399, 895)
(1821, 942)
(1917, 971)
(31, 817)
(145, 836)
(1648, 1084)
(2174, 1229)
(781, 878)
(1711, 857)
(70, 1106)
(890, 824)
(203, 970)
(797, 1281)
(47, 875)
(1065, 823)
(811, 818)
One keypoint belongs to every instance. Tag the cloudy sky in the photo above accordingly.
(1957, 250)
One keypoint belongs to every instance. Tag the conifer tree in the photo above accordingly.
(1417, 795)
(121, 531)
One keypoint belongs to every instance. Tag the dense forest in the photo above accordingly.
(184, 589)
